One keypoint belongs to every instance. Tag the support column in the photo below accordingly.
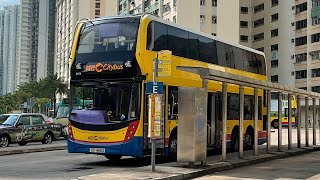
(289, 122)
(268, 121)
(241, 121)
(298, 119)
(280, 121)
(306, 127)
(256, 117)
(224, 121)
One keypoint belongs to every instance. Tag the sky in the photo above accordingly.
(8, 2)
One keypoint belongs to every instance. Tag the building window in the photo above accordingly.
(97, 12)
(258, 8)
(244, 10)
(315, 20)
(274, 78)
(202, 2)
(274, 63)
(214, 19)
(258, 37)
(243, 38)
(274, 17)
(301, 57)
(274, 3)
(315, 72)
(301, 74)
(301, 7)
(315, 89)
(214, 3)
(315, 38)
(302, 24)
(315, 55)
(303, 88)
(98, 5)
(202, 19)
(274, 47)
(315, 3)
(260, 49)
(301, 41)
(274, 33)
(258, 22)
(244, 24)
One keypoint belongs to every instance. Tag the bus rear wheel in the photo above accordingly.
(173, 147)
(249, 139)
(113, 157)
(235, 141)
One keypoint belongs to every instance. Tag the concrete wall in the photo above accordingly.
(228, 20)
(188, 14)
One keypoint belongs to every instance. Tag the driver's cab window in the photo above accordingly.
(173, 103)
(25, 120)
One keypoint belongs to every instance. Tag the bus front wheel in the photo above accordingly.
(113, 157)
(275, 124)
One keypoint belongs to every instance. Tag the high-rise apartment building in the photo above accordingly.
(28, 52)
(69, 12)
(46, 38)
(1, 50)
(9, 26)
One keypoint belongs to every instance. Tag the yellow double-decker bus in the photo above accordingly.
(274, 110)
(112, 59)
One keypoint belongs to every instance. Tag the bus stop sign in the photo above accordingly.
(154, 88)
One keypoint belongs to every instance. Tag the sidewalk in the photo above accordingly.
(33, 147)
(175, 170)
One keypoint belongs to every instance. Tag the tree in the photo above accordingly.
(41, 91)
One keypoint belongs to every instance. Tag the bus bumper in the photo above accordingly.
(131, 148)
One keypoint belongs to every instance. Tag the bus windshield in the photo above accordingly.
(120, 101)
(105, 38)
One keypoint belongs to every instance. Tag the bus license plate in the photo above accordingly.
(97, 150)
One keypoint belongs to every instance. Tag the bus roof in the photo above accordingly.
(155, 18)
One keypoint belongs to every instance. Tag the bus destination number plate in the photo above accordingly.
(97, 150)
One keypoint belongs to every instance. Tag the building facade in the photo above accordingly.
(46, 38)
(9, 26)
(69, 12)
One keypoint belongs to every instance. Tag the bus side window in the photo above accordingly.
(173, 103)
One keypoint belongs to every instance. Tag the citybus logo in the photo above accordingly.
(99, 67)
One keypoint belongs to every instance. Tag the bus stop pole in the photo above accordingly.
(268, 121)
(307, 121)
(241, 121)
(256, 117)
(153, 140)
(224, 121)
(289, 122)
(279, 121)
(298, 121)
(314, 136)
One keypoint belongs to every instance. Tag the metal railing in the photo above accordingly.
(228, 78)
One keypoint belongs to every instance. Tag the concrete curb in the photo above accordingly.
(246, 162)
(32, 150)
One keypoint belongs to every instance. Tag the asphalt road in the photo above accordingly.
(60, 165)
(298, 167)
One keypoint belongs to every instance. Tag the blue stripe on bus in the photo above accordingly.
(131, 148)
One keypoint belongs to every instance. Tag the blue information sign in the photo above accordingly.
(154, 88)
